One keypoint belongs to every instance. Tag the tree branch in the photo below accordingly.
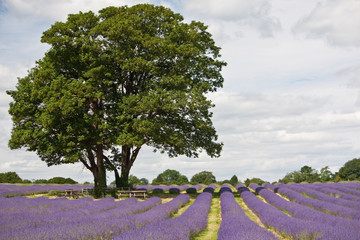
(85, 163)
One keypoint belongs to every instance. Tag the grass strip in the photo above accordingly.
(214, 221)
(256, 219)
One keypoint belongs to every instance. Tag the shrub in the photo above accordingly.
(174, 190)
(158, 190)
(41, 181)
(10, 177)
(191, 190)
(61, 180)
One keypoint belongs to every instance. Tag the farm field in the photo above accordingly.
(284, 211)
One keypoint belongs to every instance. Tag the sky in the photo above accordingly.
(291, 92)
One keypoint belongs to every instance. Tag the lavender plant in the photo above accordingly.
(304, 188)
(194, 188)
(188, 224)
(60, 223)
(309, 214)
(235, 224)
(326, 207)
(346, 188)
(327, 189)
(289, 226)
(19, 190)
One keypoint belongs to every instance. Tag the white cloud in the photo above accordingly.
(252, 13)
(352, 73)
(288, 101)
(337, 21)
(8, 77)
(267, 135)
(58, 10)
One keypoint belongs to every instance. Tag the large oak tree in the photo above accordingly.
(115, 81)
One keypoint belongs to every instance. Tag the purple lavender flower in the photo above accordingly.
(306, 213)
(235, 224)
(290, 226)
(326, 207)
(305, 188)
(76, 220)
(188, 224)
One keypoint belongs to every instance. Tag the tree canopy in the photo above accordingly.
(61, 180)
(117, 80)
(204, 177)
(169, 177)
(258, 181)
(308, 174)
(350, 170)
(10, 177)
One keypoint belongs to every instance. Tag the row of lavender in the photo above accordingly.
(21, 190)
(43, 218)
(236, 225)
(329, 212)
(188, 224)
(305, 217)
(171, 188)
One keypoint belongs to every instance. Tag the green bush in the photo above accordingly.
(10, 177)
(203, 177)
(191, 190)
(157, 191)
(169, 177)
(57, 193)
(61, 180)
(174, 191)
(41, 181)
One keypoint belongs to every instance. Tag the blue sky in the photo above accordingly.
(290, 96)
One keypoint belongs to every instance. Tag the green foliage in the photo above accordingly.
(10, 177)
(174, 191)
(326, 175)
(57, 193)
(234, 180)
(40, 181)
(169, 177)
(254, 180)
(204, 177)
(144, 181)
(247, 182)
(310, 175)
(191, 190)
(61, 180)
(133, 180)
(123, 78)
(350, 170)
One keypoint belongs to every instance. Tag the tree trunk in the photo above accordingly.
(117, 178)
(96, 165)
(128, 157)
(101, 167)
(99, 181)
(116, 172)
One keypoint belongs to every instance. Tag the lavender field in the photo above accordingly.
(292, 211)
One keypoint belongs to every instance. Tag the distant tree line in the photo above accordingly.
(169, 177)
(133, 181)
(349, 172)
(13, 177)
